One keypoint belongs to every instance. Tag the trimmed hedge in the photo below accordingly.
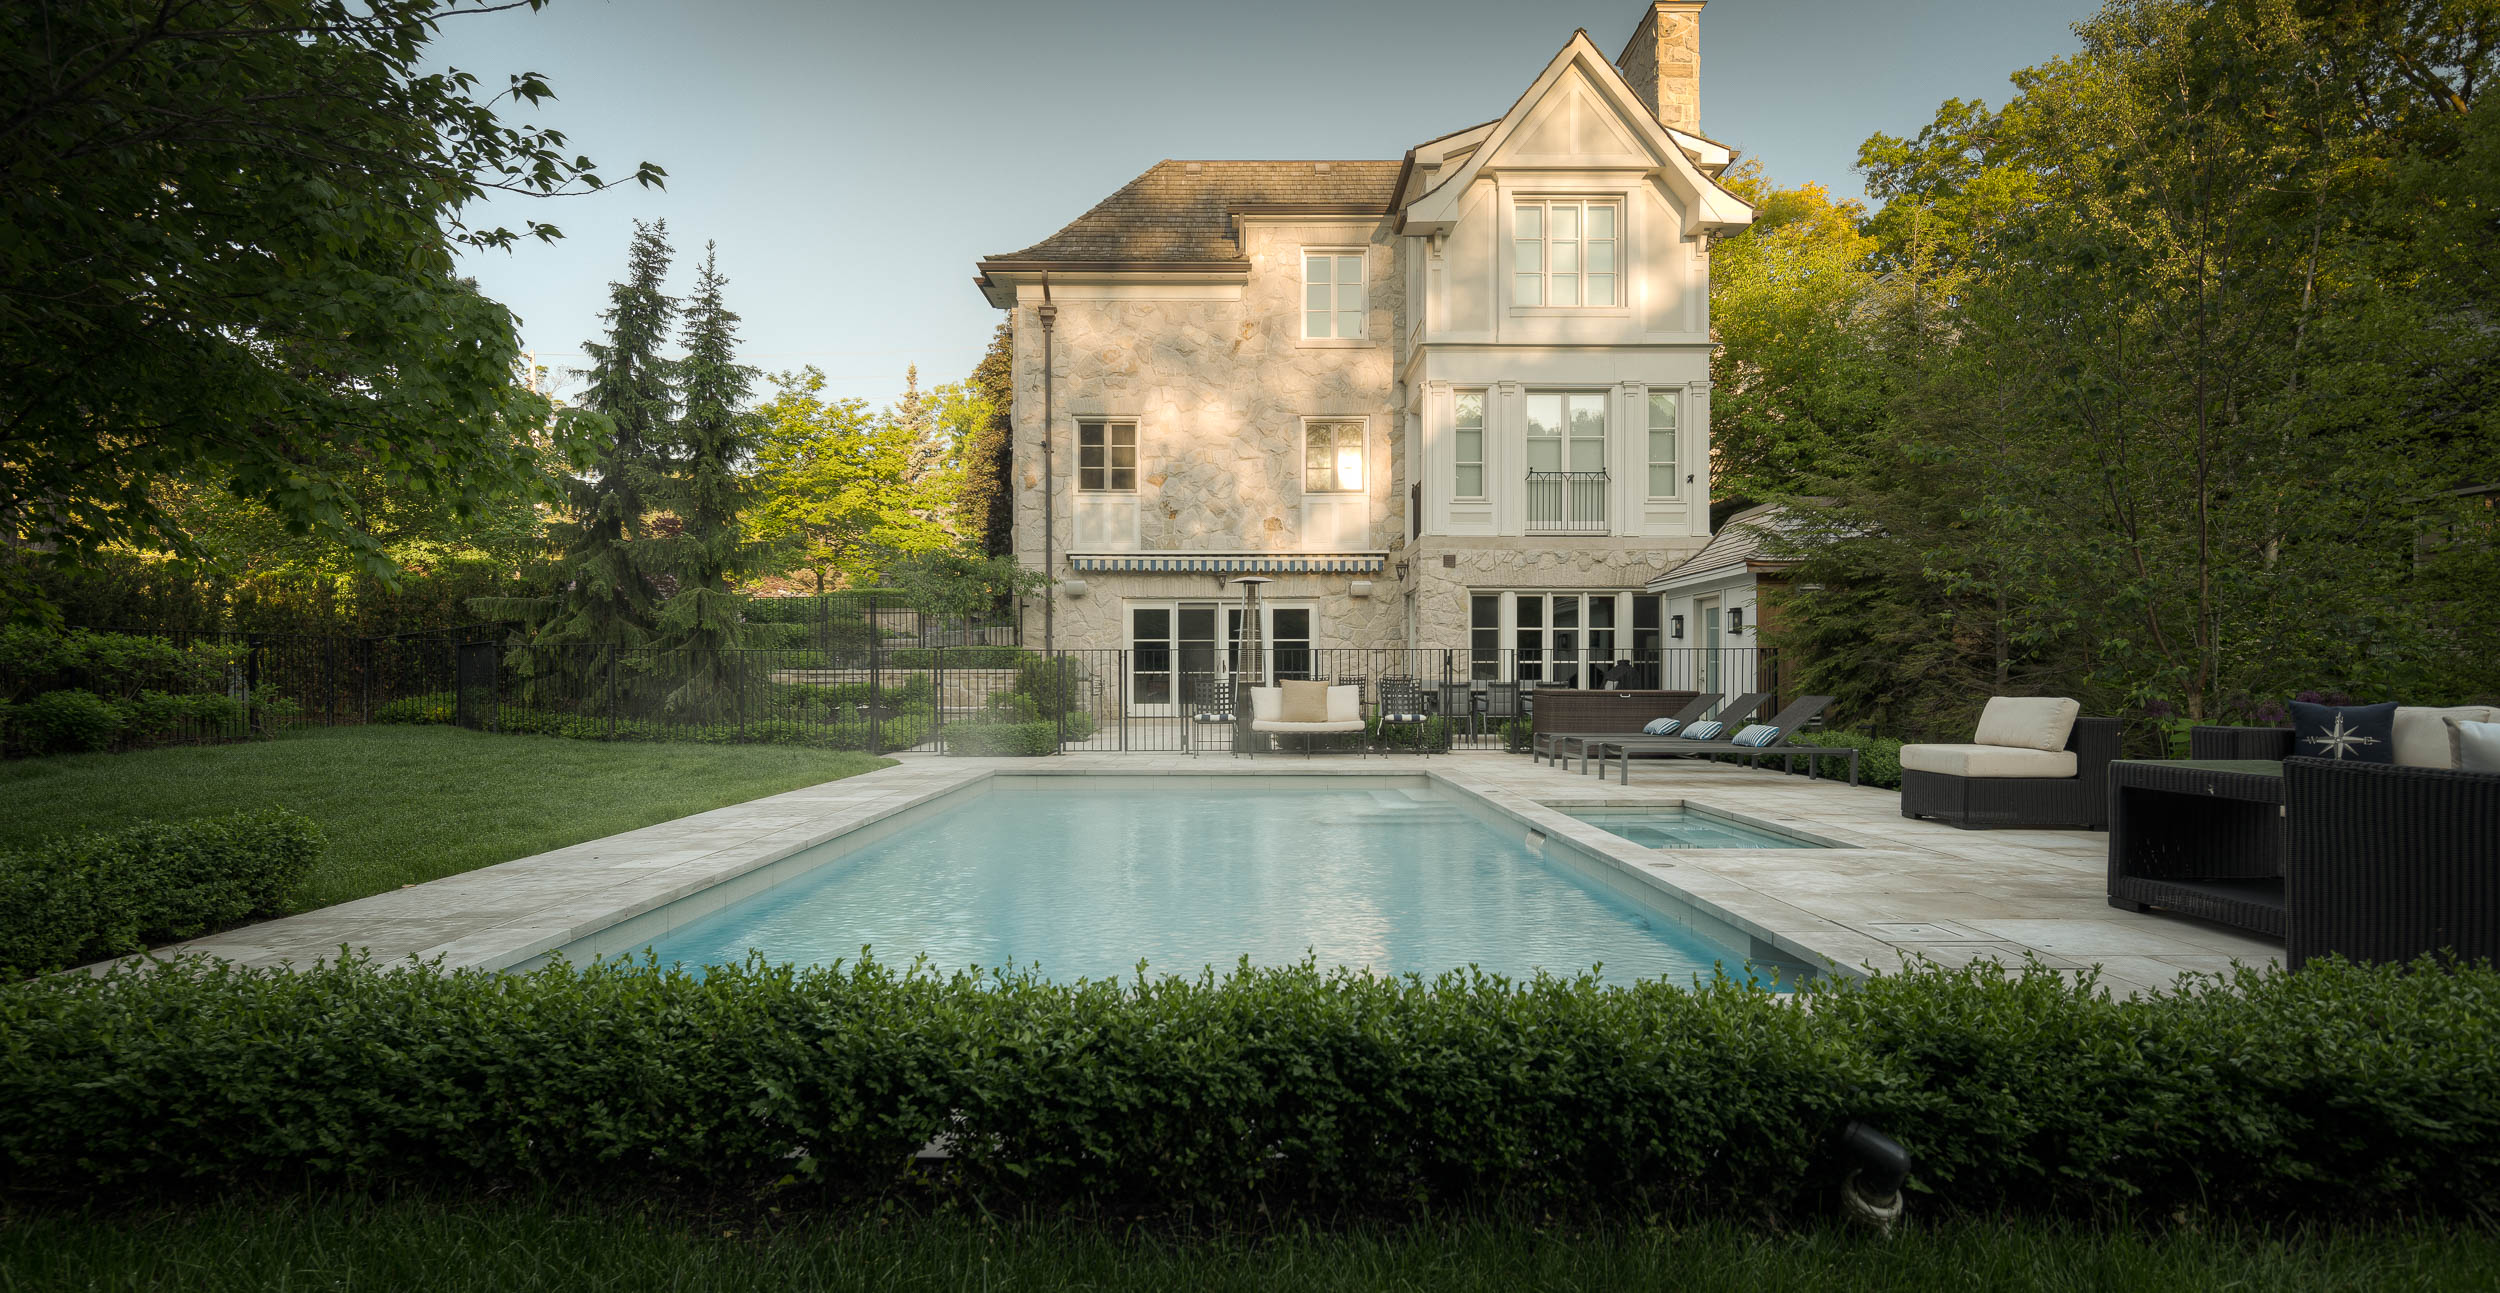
(993, 739)
(2339, 1092)
(1879, 757)
(957, 657)
(907, 727)
(87, 897)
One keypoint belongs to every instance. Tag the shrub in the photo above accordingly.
(1022, 739)
(91, 896)
(1053, 683)
(66, 722)
(2338, 1092)
(433, 707)
(1879, 757)
(958, 657)
(1010, 707)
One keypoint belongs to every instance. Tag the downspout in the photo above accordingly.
(1050, 477)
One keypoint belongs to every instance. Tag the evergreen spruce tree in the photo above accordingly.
(699, 625)
(603, 595)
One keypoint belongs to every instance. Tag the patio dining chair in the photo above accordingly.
(1458, 708)
(1503, 703)
(1212, 706)
(1402, 705)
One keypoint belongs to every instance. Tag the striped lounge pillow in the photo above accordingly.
(1660, 726)
(1757, 734)
(1704, 731)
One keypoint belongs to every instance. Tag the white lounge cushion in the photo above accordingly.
(1345, 705)
(2422, 739)
(1988, 760)
(2028, 722)
(2477, 746)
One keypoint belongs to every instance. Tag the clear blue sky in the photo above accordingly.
(854, 159)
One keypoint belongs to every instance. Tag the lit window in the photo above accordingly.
(1662, 482)
(1106, 456)
(1332, 457)
(1564, 250)
(1470, 477)
(1332, 294)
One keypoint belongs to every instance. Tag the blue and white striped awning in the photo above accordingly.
(1229, 563)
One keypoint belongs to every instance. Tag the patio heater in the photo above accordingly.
(1249, 657)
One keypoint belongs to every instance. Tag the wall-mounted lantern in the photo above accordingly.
(1675, 627)
(1736, 621)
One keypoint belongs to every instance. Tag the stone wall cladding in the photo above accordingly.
(1219, 390)
(1662, 63)
(1093, 622)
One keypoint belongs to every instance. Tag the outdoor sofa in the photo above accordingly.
(1773, 737)
(2034, 761)
(2381, 861)
(1307, 709)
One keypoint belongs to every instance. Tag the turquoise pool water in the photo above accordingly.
(1085, 882)
(1674, 828)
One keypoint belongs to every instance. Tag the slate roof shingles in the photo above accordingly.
(1172, 214)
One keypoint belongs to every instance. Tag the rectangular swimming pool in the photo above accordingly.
(1686, 828)
(1087, 880)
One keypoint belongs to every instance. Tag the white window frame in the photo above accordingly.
(1336, 257)
(1107, 467)
(1460, 462)
(1362, 445)
(1545, 274)
(1672, 403)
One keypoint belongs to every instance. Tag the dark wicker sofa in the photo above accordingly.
(2385, 863)
(1997, 803)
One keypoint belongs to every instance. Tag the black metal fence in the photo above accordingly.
(919, 682)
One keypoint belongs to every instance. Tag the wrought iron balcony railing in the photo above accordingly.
(1566, 502)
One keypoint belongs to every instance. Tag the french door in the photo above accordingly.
(1177, 648)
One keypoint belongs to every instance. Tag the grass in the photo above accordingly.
(403, 805)
(520, 1246)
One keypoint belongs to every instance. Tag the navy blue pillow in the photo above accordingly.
(2352, 733)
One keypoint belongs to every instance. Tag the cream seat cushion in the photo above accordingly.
(2422, 739)
(1341, 710)
(1305, 702)
(1988, 760)
(2029, 722)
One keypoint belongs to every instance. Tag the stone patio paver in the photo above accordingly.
(1909, 889)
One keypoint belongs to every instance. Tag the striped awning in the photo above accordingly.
(1229, 563)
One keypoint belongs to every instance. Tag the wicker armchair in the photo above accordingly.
(2386, 863)
(1997, 803)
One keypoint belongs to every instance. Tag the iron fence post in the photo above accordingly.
(611, 691)
(1121, 699)
(876, 662)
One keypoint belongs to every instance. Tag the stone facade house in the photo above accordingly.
(1454, 401)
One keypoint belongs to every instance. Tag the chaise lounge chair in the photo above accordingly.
(1556, 746)
(1753, 742)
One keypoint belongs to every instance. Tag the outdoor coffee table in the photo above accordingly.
(2201, 837)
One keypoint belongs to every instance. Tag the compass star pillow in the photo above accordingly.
(2350, 733)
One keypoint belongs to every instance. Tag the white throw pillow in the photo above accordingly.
(2027, 722)
(1345, 705)
(2477, 745)
(2422, 739)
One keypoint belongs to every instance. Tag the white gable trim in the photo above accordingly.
(1709, 208)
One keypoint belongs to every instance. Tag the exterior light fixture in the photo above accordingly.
(1675, 627)
(1736, 621)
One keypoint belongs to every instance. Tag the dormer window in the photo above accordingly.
(1564, 250)
(1332, 295)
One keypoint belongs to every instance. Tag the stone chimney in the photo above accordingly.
(1663, 63)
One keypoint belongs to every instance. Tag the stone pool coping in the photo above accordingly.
(1899, 890)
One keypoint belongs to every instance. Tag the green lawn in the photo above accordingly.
(407, 1245)
(408, 804)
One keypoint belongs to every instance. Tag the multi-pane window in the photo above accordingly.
(1566, 431)
(1332, 294)
(1564, 251)
(1484, 634)
(1332, 457)
(1106, 456)
(1662, 481)
(1469, 481)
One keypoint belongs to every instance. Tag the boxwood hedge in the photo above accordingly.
(86, 897)
(2340, 1091)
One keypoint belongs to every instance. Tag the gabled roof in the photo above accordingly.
(1182, 212)
(1737, 546)
(1710, 207)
